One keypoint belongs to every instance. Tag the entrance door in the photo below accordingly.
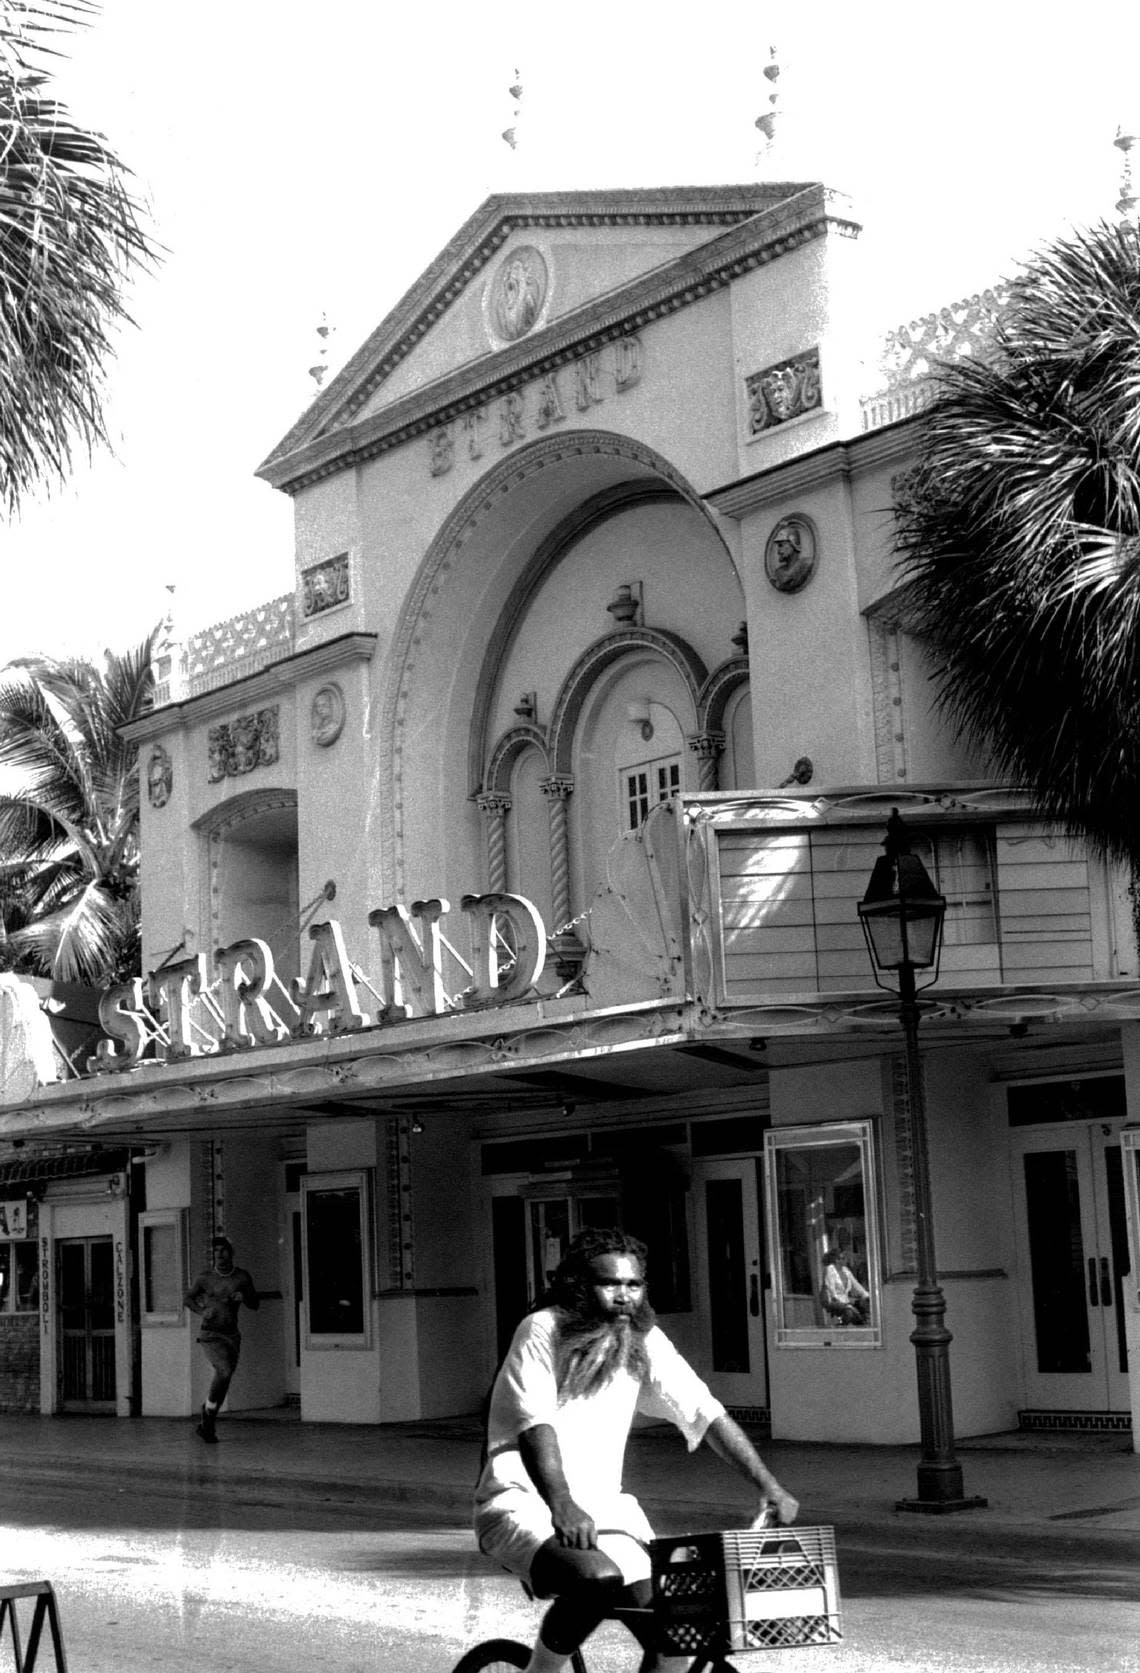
(87, 1323)
(730, 1280)
(292, 1281)
(1072, 1259)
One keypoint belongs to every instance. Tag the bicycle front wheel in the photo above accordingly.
(497, 1655)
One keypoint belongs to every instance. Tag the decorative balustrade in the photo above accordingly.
(902, 372)
(233, 649)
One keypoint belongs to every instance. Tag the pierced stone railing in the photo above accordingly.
(231, 650)
(902, 372)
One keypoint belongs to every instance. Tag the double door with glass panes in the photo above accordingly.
(86, 1291)
(1073, 1265)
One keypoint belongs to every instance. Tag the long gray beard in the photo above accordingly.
(592, 1351)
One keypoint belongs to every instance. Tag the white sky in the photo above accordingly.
(307, 158)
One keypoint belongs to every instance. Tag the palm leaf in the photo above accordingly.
(1020, 540)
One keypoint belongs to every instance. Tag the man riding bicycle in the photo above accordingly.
(549, 1503)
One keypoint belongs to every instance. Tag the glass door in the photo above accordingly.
(87, 1323)
(730, 1281)
(1073, 1262)
(1130, 1158)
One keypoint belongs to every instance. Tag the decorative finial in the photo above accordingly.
(511, 133)
(1126, 202)
(319, 370)
(769, 117)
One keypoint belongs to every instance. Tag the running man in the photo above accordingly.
(216, 1295)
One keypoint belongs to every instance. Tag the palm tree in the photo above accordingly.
(69, 815)
(1020, 538)
(69, 235)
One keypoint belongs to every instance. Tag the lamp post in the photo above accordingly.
(902, 915)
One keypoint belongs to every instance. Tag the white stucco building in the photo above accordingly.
(595, 606)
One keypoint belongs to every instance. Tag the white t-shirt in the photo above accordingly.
(592, 1429)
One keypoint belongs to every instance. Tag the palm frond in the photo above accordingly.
(1021, 538)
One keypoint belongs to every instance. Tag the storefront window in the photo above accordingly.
(19, 1277)
(336, 1248)
(824, 1235)
(161, 1245)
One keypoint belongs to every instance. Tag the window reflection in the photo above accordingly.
(822, 1227)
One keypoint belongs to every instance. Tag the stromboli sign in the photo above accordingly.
(327, 1000)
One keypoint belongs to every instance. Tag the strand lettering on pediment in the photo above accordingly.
(539, 405)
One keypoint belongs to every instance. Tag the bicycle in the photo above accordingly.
(702, 1572)
(507, 1655)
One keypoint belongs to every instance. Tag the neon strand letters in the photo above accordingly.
(180, 997)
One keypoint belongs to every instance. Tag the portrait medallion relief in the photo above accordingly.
(790, 555)
(326, 717)
(517, 293)
(159, 777)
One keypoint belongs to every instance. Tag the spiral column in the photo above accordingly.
(494, 809)
(566, 946)
(708, 747)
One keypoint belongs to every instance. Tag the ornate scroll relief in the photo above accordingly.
(787, 390)
(238, 746)
(516, 294)
(325, 585)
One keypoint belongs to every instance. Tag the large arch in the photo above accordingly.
(512, 525)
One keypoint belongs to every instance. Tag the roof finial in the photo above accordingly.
(319, 370)
(1126, 202)
(511, 133)
(769, 117)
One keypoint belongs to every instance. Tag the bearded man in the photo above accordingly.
(549, 1505)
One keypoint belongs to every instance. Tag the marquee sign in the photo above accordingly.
(328, 1000)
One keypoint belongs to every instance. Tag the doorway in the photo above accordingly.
(86, 1280)
(730, 1280)
(1072, 1252)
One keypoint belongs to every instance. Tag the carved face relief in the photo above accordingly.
(790, 555)
(326, 717)
(159, 777)
(517, 294)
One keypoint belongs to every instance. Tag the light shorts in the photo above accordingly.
(513, 1526)
(222, 1352)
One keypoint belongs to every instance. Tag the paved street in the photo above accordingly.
(252, 1577)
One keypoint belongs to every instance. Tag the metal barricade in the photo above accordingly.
(44, 1609)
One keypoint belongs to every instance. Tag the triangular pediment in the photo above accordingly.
(520, 269)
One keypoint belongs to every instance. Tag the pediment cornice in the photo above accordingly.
(762, 232)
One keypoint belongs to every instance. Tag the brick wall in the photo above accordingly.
(20, 1363)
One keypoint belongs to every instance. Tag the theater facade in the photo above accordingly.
(502, 878)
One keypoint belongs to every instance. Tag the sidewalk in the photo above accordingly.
(1064, 1483)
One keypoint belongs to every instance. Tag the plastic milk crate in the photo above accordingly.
(768, 1589)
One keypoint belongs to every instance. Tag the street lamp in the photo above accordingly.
(902, 915)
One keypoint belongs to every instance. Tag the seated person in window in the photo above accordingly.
(842, 1295)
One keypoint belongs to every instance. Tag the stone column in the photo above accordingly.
(568, 950)
(708, 748)
(495, 809)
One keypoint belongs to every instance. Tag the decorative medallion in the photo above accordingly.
(159, 777)
(326, 717)
(238, 746)
(786, 390)
(790, 555)
(517, 294)
(325, 585)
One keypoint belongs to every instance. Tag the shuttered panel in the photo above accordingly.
(768, 925)
(842, 861)
(1046, 923)
(790, 925)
